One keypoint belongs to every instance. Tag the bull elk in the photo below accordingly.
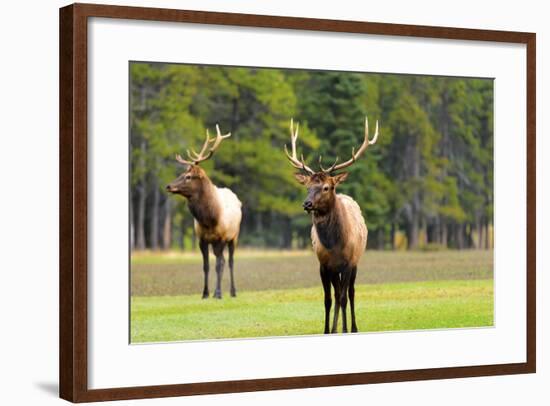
(216, 211)
(339, 232)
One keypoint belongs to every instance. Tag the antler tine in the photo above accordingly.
(294, 135)
(192, 154)
(219, 138)
(216, 143)
(182, 161)
(290, 158)
(329, 170)
(362, 148)
(375, 138)
(197, 158)
(220, 134)
(207, 142)
(294, 161)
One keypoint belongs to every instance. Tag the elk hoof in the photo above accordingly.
(205, 295)
(233, 293)
(354, 329)
(217, 295)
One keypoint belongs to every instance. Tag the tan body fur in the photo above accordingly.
(228, 207)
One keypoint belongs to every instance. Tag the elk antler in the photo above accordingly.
(195, 158)
(354, 155)
(298, 164)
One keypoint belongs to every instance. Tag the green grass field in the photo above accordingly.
(280, 294)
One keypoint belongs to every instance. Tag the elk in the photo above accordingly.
(339, 233)
(216, 211)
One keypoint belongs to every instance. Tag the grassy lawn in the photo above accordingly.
(425, 304)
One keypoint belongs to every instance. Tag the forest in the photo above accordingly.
(426, 184)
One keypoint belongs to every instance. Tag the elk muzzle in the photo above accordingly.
(172, 189)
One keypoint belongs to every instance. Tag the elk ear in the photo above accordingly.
(302, 179)
(340, 178)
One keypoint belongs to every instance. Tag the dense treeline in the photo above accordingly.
(428, 182)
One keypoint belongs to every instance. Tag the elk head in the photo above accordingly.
(191, 182)
(321, 185)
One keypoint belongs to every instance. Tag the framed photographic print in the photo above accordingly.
(256, 202)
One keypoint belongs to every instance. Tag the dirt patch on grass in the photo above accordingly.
(160, 275)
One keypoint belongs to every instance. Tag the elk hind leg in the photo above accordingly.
(231, 249)
(344, 286)
(351, 292)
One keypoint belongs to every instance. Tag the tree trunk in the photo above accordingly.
(459, 236)
(487, 235)
(392, 236)
(436, 231)
(412, 232)
(182, 235)
(132, 228)
(380, 234)
(154, 228)
(193, 238)
(423, 231)
(469, 233)
(260, 228)
(167, 226)
(287, 233)
(444, 229)
(305, 241)
(479, 229)
(142, 191)
(140, 243)
(414, 226)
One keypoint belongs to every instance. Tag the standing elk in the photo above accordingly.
(339, 233)
(217, 211)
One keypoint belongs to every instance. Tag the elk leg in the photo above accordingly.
(325, 279)
(351, 292)
(205, 266)
(335, 279)
(220, 262)
(344, 285)
(231, 249)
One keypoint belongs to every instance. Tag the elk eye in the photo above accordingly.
(325, 188)
(188, 177)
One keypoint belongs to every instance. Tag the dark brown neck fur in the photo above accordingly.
(329, 226)
(204, 205)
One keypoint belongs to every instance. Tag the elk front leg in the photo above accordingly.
(220, 262)
(335, 279)
(205, 266)
(351, 292)
(325, 279)
(231, 249)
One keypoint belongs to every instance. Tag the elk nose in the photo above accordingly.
(307, 205)
(168, 188)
